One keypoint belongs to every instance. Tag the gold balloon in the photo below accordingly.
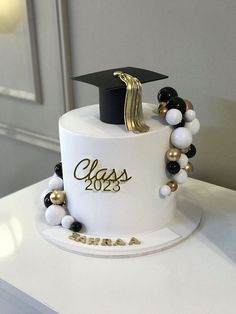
(173, 185)
(188, 103)
(57, 197)
(189, 167)
(173, 154)
(162, 109)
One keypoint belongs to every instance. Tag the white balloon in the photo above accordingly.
(165, 190)
(183, 161)
(190, 115)
(55, 183)
(181, 137)
(193, 126)
(54, 214)
(67, 221)
(174, 116)
(181, 177)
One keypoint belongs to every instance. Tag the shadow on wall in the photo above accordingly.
(217, 146)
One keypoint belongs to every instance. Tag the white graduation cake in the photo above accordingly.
(113, 194)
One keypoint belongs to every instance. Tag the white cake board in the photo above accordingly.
(186, 221)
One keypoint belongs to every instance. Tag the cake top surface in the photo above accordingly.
(85, 121)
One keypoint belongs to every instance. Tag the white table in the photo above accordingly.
(198, 276)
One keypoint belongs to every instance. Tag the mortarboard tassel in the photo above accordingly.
(133, 113)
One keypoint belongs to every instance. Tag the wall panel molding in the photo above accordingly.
(34, 51)
(36, 94)
(65, 53)
(22, 134)
(29, 137)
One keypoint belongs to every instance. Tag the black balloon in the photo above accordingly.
(179, 125)
(58, 170)
(173, 167)
(76, 226)
(192, 151)
(47, 201)
(177, 103)
(166, 93)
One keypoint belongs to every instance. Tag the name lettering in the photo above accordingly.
(77, 237)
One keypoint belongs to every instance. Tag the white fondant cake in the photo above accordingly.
(113, 194)
(112, 177)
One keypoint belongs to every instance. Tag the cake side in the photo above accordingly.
(116, 188)
(112, 177)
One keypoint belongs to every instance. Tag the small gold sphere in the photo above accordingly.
(162, 109)
(58, 197)
(188, 103)
(189, 167)
(173, 185)
(173, 154)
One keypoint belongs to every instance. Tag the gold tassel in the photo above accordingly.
(133, 113)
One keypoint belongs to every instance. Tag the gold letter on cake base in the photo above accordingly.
(81, 239)
(119, 242)
(135, 241)
(74, 236)
(93, 241)
(106, 242)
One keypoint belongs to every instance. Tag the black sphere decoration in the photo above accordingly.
(58, 170)
(179, 125)
(192, 151)
(177, 103)
(47, 201)
(173, 167)
(76, 226)
(166, 93)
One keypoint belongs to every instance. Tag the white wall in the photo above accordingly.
(194, 42)
(28, 126)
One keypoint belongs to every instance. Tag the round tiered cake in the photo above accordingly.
(114, 191)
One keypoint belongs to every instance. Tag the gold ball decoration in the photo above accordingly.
(162, 109)
(173, 185)
(188, 103)
(173, 154)
(58, 197)
(189, 167)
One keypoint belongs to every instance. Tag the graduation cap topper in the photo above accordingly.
(120, 94)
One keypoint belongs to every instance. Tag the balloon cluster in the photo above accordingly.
(54, 199)
(179, 114)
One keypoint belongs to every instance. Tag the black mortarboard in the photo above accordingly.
(112, 90)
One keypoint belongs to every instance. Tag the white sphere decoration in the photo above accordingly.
(45, 192)
(54, 214)
(181, 137)
(165, 190)
(183, 161)
(173, 116)
(190, 115)
(67, 221)
(193, 126)
(55, 183)
(181, 177)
